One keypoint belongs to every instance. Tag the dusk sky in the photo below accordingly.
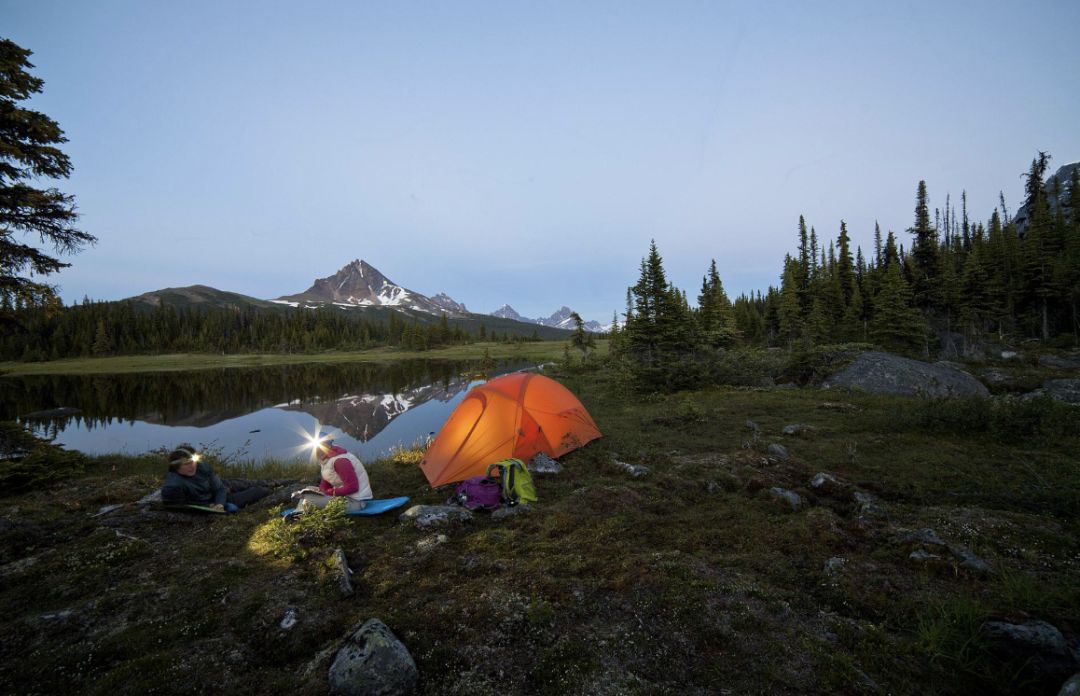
(526, 153)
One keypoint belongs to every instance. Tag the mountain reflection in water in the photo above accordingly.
(246, 412)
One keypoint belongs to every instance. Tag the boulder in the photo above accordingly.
(1039, 646)
(882, 373)
(373, 661)
(1071, 687)
(424, 516)
(543, 464)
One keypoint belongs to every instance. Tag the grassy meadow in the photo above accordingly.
(540, 351)
(692, 579)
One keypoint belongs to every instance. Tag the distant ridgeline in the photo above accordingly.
(960, 283)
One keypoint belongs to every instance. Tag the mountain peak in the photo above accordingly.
(358, 283)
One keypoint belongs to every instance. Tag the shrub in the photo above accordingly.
(296, 539)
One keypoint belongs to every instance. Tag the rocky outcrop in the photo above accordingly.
(1063, 390)
(373, 661)
(882, 373)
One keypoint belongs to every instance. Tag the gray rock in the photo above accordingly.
(834, 565)
(790, 497)
(1071, 687)
(798, 429)
(827, 484)
(868, 504)
(969, 560)
(752, 425)
(373, 661)
(424, 516)
(1059, 362)
(922, 556)
(777, 451)
(635, 470)
(882, 373)
(289, 619)
(511, 511)
(1008, 354)
(543, 464)
(1038, 645)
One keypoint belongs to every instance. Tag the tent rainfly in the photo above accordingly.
(516, 415)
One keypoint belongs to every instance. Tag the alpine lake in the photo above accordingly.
(247, 415)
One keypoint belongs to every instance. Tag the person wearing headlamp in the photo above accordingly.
(343, 476)
(191, 481)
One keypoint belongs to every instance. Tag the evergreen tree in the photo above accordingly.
(715, 320)
(789, 309)
(28, 150)
(895, 323)
(581, 339)
(845, 269)
(925, 266)
(657, 336)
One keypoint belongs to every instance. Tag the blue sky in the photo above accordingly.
(527, 152)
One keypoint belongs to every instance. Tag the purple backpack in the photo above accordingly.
(477, 493)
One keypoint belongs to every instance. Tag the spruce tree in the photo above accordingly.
(28, 152)
(789, 308)
(845, 269)
(896, 324)
(925, 266)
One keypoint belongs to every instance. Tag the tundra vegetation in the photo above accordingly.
(693, 578)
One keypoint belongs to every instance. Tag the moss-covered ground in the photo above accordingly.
(690, 580)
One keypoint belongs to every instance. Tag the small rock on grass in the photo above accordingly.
(635, 470)
(777, 451)
(868, 504)
(752, 425)
(969, 560)
(827, 484)
(424, 516)
(505, 511)
(798, 429)
(792, 498)
(543, 464)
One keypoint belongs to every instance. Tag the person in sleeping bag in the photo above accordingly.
(343, 476)
(191, 481)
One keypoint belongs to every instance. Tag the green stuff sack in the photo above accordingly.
(517, 483)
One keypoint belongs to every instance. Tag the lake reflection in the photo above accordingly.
(245, 413)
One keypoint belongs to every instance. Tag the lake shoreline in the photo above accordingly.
(541, 351)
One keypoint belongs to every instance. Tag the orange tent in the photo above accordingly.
(516, 415)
